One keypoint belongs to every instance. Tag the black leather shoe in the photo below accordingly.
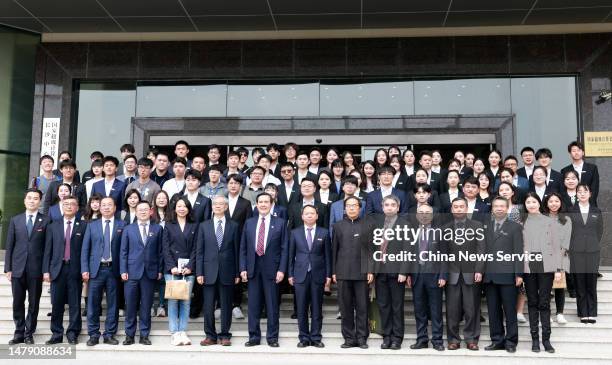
(318, 344)
(273, 344)
(16, 341)
(385, 345)
(93, 341)
(293, 315)
(592, 320)
(438, 347)
(348, 345)
(535, 345)
(29, 341)
(303, 344)
(511, 349)
(363, 345)
(548, 347)
(251, 344)
(419, 345)
(129, 340)
(494, 347)
(395, 346)
(53, 341)
(144, 341)
(111, 340)
(73, 341)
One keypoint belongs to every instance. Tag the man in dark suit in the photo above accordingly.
(289, 189)
(434, 179)
(528, 156)
(100, 268)
(111, 186)
(218, 244)
(140, 263)
(199, 202)
(62, 267)
(239, 210)
(375, 198)
(302, 170)
(464, 277)
(350, 264)
(263, 263)
(68, 170)
(307, 190)
(477, 209)
(554, 179)
(389, 275)
(587, 172)
(428, 278)
(502, 278)
(25, 245)
(309, 272)
(274, 151)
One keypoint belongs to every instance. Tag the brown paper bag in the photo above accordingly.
(560, 284)
(177, 289)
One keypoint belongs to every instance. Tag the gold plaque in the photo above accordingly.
(598, 144)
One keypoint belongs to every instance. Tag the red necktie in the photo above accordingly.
(261, 236)
(67, 236)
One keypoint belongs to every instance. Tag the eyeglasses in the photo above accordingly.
(286, 171)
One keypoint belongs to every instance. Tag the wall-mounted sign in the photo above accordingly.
(50, 138)
(598, 144)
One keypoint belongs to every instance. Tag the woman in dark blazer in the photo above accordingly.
(55, 211)
(568, 192)
(585, 247)
(400, 181)
(452, 190)
(179, 250)
(132, 198)
(325, 189)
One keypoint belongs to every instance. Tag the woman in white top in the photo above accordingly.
(562, 232)
(540, 274)
(370, 183)
(96, 169)
(539, 181)
(324, 193)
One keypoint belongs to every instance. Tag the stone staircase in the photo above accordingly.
(574, 342)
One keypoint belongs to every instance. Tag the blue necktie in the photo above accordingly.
(107, 242)
(30, 225)
(219, 233)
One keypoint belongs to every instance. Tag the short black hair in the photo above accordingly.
(214, 147)
(112, 159)
(543, 152)
(153, 151)
(527, 149)
(267, 157)
(97, 163)
(422, 186)
(233, 154)
(575, 144)
(46, 157)
(240, 150)
(128, 147)
(67, 163)
(181, 142)
(95, 155)
(353, 198)
(273, 146)
(425, 153)
(309, 179)
(65, 152)
(259, 150)
(385, 169)
(471, 180)
(193, 173)
(313, 149)
(236, 177)
(33, 190)
(144, 162)
(132, 157)
(510, 157)
(350, 179)
(215, 168)
(287, 164)
(264, 194)
(179, 160)
(257, 168)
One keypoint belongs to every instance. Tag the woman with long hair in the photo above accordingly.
(570, 183)
(370, 183)
(349, 161)
(400, 181)
(381, 158)
(485, 186)
(160, 212)
(179, 245)
(132, 198)
(331, 156)
(478, 167)
(92, 211)
(56, 211)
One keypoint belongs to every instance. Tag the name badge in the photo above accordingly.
(77, 234)
(356, 235)
(119, 230)
(319, 239)
(593, 216)
(197, 203)
(39, 230)
(150, 234)
(271, 227)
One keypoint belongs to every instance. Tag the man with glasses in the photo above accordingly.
(288, 191)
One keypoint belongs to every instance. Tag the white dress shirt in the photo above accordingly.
(529, 170)
(111, 224)
(452, 194)
(108, 186)
(324, 196)
(288, 189)
(216, 221)
(385, 191)
(144, 238)
(192, 197)
(471, 206)
(409, 170)
(578, 169)
(267, 217)
(540, 191)
(584, 210)
(232, 203)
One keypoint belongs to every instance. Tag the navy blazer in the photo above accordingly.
(55, 213)
(522, 185)
(300, 257)
(54, 248)
(276, 248)
(202, 209)
(216, 263)
(25, 252)
(482, 211)
(177, 244)
(117, 191)
(93, 245)
(375, 198)
(137, 259)
(336, 214)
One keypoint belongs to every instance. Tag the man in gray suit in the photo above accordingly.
(464, 278)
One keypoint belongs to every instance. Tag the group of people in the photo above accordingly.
(300, 222)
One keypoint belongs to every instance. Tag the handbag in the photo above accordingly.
(177, 289)
(561, 283)
(374, 320)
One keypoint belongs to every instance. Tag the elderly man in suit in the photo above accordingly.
(309, 272)
(140, 263)
(428, 279)
(336, 211)
(62, 267)
(100, 267)
(25, 245)
(464, 278)
(263, 263)
(502, 278)
(218, 244)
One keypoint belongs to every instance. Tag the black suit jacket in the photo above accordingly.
(177, 244)
(54, 248)
(295, 215)
(589, 176)
(51, 197)
(282, 194)
(407, 182)
(350, 249)
(201, 209)
(555, 182)
(474, 245)
(394, 247)
(242, 212)
(24, 252)
(445, 202)
(216, 263)
(508, 240)
(586, 237)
